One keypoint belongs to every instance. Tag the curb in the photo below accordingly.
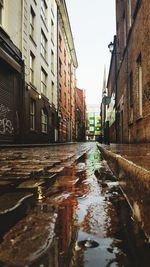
(135, 184)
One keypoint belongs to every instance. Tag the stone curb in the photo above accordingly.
(135, 184)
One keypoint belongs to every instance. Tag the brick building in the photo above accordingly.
(129, 81)
(80, 114)
(67, 64)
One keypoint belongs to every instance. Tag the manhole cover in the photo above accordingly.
(88, 244)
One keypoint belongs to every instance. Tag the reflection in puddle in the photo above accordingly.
(40, 193)
(79, 222)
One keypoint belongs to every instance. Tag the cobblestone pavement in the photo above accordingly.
(23, 170)
(62, 206)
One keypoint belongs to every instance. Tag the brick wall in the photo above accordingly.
(133, 124)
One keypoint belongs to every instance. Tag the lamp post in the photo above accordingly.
(113, 50)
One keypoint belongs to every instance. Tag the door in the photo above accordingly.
(6, 104)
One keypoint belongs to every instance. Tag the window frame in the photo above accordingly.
(32, 23)
(44, 121)
(140, 86)
(52, 61)
(1, 8)
(43, 82)
(32, 59)
(43, 45)
(44, 10)
(32, 114)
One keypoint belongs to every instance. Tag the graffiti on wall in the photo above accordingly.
(5, 123)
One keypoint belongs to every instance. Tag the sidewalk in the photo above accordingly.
(131, 165)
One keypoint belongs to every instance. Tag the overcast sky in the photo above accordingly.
(93, 28)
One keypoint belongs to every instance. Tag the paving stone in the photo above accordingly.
(31, 184)
(55, 169)
(28, 240)
(10, 201)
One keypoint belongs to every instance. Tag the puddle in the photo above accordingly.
(80, 220)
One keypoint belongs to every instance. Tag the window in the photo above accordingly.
(139, 67)
(64, 77)
(52, 91)
(131, 97)
(43, 10)
(44, 120)
(52, 31)
(32, 59)
(131, 89)
(124, 30)
(64, 56)
(60, 67)
(60, 92)
(65, 99)
(1, 7)
(32, 114)
(43, 45)
(91, 121)
(43, 82)
(60, 42)
(32, 22)
(52, 6)
(91, 129)
(129, 14)
(52, 61)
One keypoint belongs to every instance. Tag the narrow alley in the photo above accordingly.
(61, 206)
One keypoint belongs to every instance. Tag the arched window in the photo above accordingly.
(44, 120)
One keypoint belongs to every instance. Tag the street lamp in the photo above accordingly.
(111, 47)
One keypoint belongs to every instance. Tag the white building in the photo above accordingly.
(32, 26)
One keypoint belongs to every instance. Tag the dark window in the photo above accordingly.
(32, 114)
(44, 120)
(131, 89)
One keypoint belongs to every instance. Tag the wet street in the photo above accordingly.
(62, 207)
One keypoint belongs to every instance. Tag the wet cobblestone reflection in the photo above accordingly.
(79, 218)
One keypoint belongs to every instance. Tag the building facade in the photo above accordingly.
(80, 114)
(93, 123)
(131, 73)
(67, 64)
(11, 84)
(45, 111)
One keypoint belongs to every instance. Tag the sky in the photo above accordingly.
(93, 28)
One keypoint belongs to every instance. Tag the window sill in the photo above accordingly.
(33, 87)
(44, 60)
(53, 73)
(44, 24)
(31, 38)
(139, 117)
(52, 41)
(130, 123)
(45, 97)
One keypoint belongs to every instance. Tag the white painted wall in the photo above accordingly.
(16, 22)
